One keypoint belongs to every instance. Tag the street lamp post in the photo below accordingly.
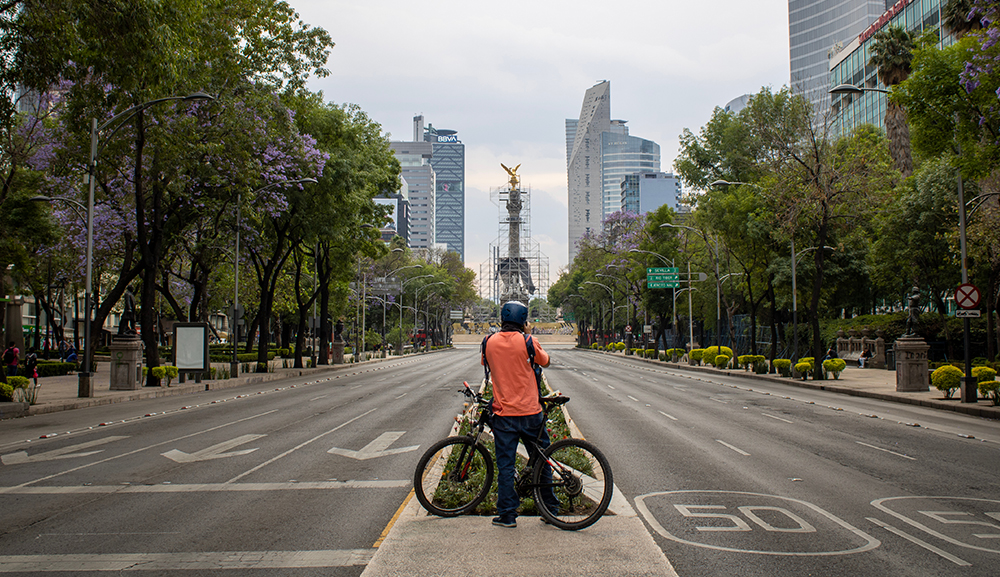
(402, 285)
(400, 351)
(665, 262)
(85, 385)
(718, 284)
(416, 305)
(611, 293)
(234, 365)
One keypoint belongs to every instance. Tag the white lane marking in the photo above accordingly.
(885, 451)
(206, 487)
(777, 418)
(920, 542)
(356, 386)
(318, 398)
(610, 387)
(672, 418)
(299, 446)
(719, 401)
(160, 444)
(401, 396)
(725, 444)
(377, 448)
(217, 451)
(63, 453)
(196, 561)
(633, 398)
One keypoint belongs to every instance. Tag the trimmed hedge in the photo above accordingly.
(783, 366)
(946, 379)
(835, 366)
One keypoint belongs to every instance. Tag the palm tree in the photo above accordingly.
(955, 18)
(892, 53)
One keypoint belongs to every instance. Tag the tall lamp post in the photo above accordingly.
(234, 365)
(85, 385)
(665, 262)
(416, 305)
(402, 285)
(718, 284)
(400, 351)
(611, 293)
(969, 386)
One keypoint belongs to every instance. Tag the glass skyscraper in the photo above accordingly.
(815, 29)
(622, 155)
(448, 161)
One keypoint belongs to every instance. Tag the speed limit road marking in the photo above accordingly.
(740, 522)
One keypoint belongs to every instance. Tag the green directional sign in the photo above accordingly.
(662, 284)
(662, 277)
(661, 270)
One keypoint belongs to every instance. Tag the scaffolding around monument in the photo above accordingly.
(516, 269)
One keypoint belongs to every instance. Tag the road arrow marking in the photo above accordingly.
(377, 448)
(213, 452)
(64, 453)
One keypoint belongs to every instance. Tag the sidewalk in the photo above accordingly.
(872, 383)
(60, 393)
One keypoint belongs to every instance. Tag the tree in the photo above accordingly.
(955, 17)
(892, 53)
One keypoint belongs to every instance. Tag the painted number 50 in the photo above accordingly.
(735, 523)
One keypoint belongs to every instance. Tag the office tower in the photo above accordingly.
(448, 162)
(815, 29)
(400, 215)
(586, 191)
(643, 192)
(415, 163)
(621, 155)
(850, 65)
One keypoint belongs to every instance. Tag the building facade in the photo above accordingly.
(643, 192)
(815, 29)
(850, 65)
(584, 177)
(448, 162)
(622, 155)
(415, 163)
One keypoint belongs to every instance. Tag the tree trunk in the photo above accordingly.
(898, 130)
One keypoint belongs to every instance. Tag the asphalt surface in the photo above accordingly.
(741, 477)
(719, 474)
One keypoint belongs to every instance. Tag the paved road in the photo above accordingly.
(305, 477)
(735, 476)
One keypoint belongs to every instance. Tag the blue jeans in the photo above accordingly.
(507, 431)
(11, 370)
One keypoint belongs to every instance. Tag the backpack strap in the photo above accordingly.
(486, 364)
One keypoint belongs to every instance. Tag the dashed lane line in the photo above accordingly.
(206, 487)
(777, 418)
(725, 444)
(885, 451)
(671, 417)
(194, 561)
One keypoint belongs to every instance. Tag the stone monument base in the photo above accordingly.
(337, 352)
(911, 364)
(126, 363)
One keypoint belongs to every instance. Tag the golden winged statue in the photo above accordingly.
(514, 180)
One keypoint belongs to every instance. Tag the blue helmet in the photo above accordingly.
(514, 312)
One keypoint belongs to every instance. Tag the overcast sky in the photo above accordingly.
(506, 75)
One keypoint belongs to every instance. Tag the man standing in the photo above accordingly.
(516, 406)
(11, 356)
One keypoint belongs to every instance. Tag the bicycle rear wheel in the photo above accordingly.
(453, 476)
(579, 488)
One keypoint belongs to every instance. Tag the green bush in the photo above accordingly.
(759, 364)
(721, 361)
(804, 369)
(983, 373)
(54, 369)
(675, 354)
(711, 352)
(696, 355)
(18, 382)
(6, 393)
(947, 379)
(651, 353)
(595, 346)
(783, 366)
(991, 390)
(159, 372)
(835, 366)
(620, 346)
(745, 361)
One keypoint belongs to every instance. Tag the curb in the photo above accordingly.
(985, 412)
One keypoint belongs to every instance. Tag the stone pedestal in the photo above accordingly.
(337, 352)
(126, 363)
(911, 364)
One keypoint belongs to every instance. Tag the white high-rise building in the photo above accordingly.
(414, 160)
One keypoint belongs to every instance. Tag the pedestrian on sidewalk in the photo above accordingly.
(11, 357)
(31, 365)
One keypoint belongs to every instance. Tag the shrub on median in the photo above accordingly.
(835, 366)
(721, 361)
(783, 366)
(696, 355)
(946, 379)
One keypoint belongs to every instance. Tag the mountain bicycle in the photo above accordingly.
(455, 475)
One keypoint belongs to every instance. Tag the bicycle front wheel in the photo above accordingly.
(576, 489)
(453, 476)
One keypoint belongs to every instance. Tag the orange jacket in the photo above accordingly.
(515, 392)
